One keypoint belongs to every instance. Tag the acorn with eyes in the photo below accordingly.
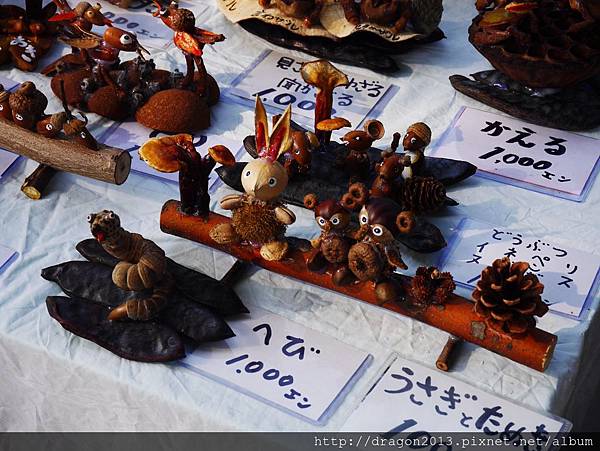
(331, 247)
(376, 255)
(258, 216)
(417, 138)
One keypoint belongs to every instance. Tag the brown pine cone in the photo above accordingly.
(430, 286)
(508, 298)
(422, 194)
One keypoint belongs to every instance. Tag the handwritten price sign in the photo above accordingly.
(277, 80)
(568, 275)
(131, 135)
(283, 363)
(544, 159)
(419, 402)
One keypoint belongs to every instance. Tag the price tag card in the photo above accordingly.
(276, 78)
(138, 19)
(6, 257)
(282, 363)
(570, 276)
(538, 158)
(417, 402)
(131, 135)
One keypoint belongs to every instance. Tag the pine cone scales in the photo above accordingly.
(508, 298)
(422, 194)
(430, 286)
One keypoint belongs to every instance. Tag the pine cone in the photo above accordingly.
(430, 286)
(426, 15)
(508, 298)
(422, 194)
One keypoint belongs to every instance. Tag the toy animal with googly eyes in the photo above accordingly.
(258, 216)
(376, 255)
(331, 247)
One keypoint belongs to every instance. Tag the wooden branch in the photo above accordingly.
(455, 317)
(107, 164)
(36, 183)
(444, 361)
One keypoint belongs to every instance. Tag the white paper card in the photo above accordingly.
(6, 255)
(544, 159)
(131, 136)
(569, 275)
(282, 363)
(6, 160)
(138, 19)
(7, 83)
(276, 78)
(411, 398)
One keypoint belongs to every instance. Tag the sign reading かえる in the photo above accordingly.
(542, 159)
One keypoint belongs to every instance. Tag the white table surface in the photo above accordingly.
(53, 380)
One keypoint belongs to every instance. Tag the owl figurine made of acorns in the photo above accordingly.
(258, 216)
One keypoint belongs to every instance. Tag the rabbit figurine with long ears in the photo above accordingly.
(258, 217)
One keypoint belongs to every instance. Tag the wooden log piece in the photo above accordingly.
(108, 164)
(36, 183)
(444, 361)
(456, 317)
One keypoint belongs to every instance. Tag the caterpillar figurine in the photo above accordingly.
(142, 266)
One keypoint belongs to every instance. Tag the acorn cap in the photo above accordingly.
(422, 130)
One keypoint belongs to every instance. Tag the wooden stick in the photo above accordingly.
(34, 185)
(444, 361)
(107, 164)
(455, 317)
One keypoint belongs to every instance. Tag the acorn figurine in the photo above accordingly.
(259, 218)
(417, 138)
(27, 104)
(5, 111)
(377, 254)
(333, 244)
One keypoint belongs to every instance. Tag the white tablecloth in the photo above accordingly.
(53, 380)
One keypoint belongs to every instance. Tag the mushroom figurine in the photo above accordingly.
(258, 216)
(177, 153)
(325, 77)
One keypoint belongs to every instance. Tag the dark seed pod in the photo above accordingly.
(422, 194)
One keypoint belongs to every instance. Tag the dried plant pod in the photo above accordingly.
(364, 259)
(375, 129)
(311, 201)
(356, 197)
(422, 194)
(430, 286)
(405, 222)
(221, 155)
(335, 123)
(162, 154)
(508, 298)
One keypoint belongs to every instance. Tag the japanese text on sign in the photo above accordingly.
(282, 362)
(542, 157)
(418, 401)
(277, 80)
(568, 274)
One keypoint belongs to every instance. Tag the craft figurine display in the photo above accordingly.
(546, 56)
(317, 164)
(97, 80)
(58, 141)
(258, 217)
(26, 35)
(365, 33)
(177, 153)
(133, 300)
